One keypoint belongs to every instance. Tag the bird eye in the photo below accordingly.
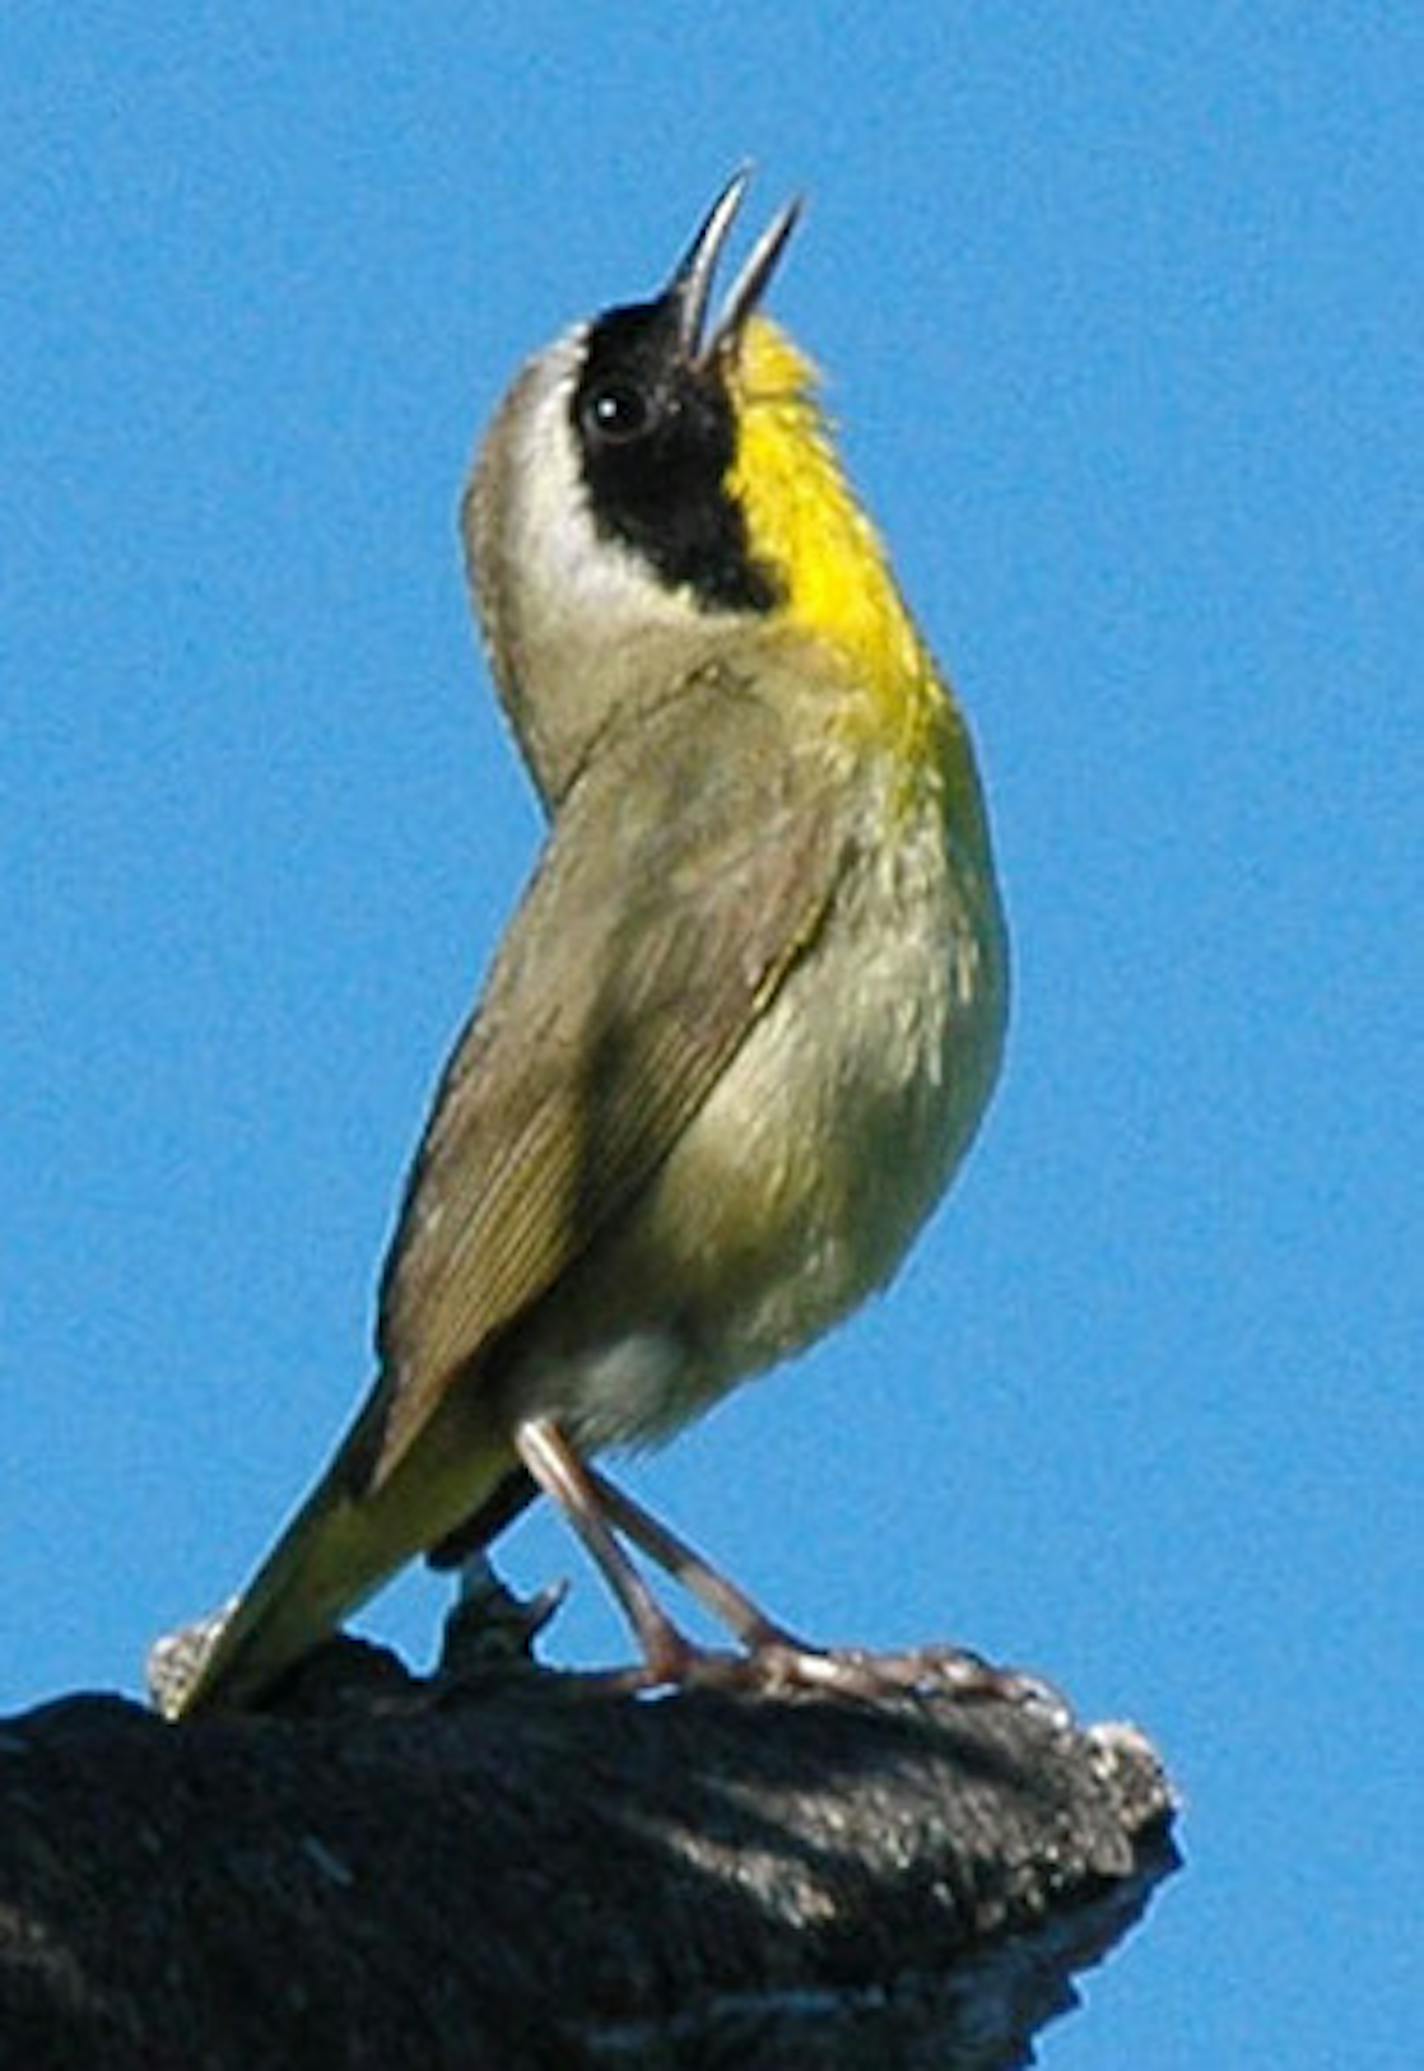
(618, 411)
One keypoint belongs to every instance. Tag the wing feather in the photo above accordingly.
(685, 874)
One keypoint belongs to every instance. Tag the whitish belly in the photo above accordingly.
(800, 1185)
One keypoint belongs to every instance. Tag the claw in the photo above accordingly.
(779, 1668)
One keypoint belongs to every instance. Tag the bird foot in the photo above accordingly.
(781, 1667)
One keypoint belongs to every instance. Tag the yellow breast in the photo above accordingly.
(803, 518)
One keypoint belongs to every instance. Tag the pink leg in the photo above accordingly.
(563, 1477)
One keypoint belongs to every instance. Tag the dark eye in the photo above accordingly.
(617, 411)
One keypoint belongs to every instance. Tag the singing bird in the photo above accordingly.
(747, 1017)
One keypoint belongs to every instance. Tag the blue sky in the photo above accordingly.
(1121, 310)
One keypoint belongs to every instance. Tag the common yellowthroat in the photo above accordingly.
(748, 1015)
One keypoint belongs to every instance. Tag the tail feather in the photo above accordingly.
(344, 1542)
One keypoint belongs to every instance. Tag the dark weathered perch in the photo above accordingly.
(529, 1870)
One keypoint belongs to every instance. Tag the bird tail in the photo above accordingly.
(351, 1534)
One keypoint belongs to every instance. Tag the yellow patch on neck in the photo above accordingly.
(803, 520)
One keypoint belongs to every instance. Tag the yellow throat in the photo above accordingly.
(803, 518)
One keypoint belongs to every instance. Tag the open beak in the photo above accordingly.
(691, 286)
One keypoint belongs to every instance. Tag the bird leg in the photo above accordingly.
(728, 1604)
(561, 1474)
(774, 1659)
